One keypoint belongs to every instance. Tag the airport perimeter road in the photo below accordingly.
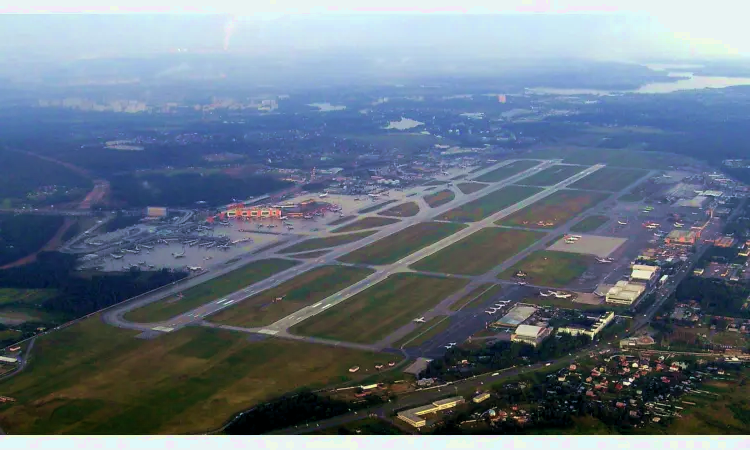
(115, 317)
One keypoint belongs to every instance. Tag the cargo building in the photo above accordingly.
(625, 293)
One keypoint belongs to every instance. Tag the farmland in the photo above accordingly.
(439, 198)
(478, 252)
(297, 293)
(610, 179)
(379, 310)
(210, 290)
(590, 223)
(554, 210)
(551, 175)
(506, 171)
(489, 204)
(376, 207)
(470, 187)
(367, 222)
(408, 209)
(399, 245)
(477, 296)
(94, 379)
(326, 242)
(549, 268)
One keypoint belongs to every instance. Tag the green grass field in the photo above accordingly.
(470, 187)
(376, 207)
(506, 171)
(326, 242)
(27, 297)
(478, 252)
(553, 210)
(612, 157)
(303, 290)
(477, 296)
(590, 223)
(210, 290)
(550, 268)
(489, 204)
(551, 176)
(364, 224)
(91, 378)
(424, 332)
(439, 198)
(310, 255)
(381, 309)
(408, 209)
(399, 245)
(611, 179)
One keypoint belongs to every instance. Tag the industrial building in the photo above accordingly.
(418, 366)
(251, 213)
(698, 201)
(596, 325)
(625, 293)
(642, 273)
(529, 334)
(413, 416)
(681, 237)
(516, 316)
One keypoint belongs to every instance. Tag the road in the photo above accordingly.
(115, 317)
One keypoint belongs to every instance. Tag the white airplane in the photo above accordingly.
(622, 222)
(419, 320)
(574, 236)
(678, 225)
(451, 345)
(323, 195)
(490, 312)
(604, 260)
(545, 294)
(522, 283)
(561, 295)
(195, 268)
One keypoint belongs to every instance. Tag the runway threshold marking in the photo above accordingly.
(267, 331)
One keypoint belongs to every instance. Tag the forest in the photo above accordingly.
(23, 174)
(716, 297)
(22, 235)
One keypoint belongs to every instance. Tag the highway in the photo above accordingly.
(115, 316)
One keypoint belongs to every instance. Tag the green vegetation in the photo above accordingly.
(553, 210)
(506, 171)
(439, 198)
(611, 179)
(301, 291)
(310, 255)
(367, 222)
(91, 378)
(399, 245)
(408, 209)
(551, 175)
(550, 268)
(471, 187)
(478, 252)
(326, 242)
(24, 234)
(722, 414)
(612, 157)
(489, 204)
(715, 297)
(211, 290)
(479, 295)
(379, 310)
(341, 220)
(424, 332)
(9, 296)
(590, 223)
(376, 207)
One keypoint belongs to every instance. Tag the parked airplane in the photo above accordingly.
(561, 295)
(419, 320)
(604, 260)
(323, 195)
(195, 268)
(179, 255)
(450, 345)
(621, 222)
(522, 283)
(678, 225)
(574, 236)
(116, 256)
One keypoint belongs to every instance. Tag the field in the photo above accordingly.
(489, 204)
(553, 210)
(588, 224)
(399, 245)
(611, 179)
(341, 220)
(506, 171)
(326, 242)
(548, 268)
(439, 198)
(424, 332)
(376, 207)
(551, 176)
(27, 297)
(367, 222)
(478, 252)
(301, 291)
(479, 295)
(210, 290)
(379, 310)
(470, 187)
(408, 209)
(310, 255)
(94, 379)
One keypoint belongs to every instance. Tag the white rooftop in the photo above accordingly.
(529, 330)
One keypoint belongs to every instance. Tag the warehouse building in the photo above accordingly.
(681, 237)
(644, 274)
(530, 334)
(516, 316)
(413, 416)
(625, 293)
(594, 326)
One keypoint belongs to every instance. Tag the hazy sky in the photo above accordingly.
(622, 30)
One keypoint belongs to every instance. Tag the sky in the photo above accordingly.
(604, 29)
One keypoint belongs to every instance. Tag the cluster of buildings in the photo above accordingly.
(627, 292)
(590, 325)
